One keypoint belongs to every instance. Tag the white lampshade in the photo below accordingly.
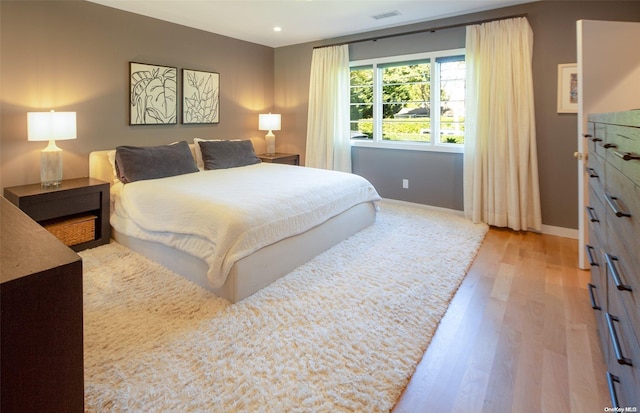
(47, 126)
(269, 121)
(51, 126)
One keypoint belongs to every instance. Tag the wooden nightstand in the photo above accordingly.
(285, 158)
(73, 199)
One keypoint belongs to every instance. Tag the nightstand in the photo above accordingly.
(68, 208)
(285, 158)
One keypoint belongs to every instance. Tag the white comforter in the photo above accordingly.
(224, 215)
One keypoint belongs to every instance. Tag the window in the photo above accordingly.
(392, 103)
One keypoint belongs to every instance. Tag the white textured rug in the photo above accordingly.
(344, 332)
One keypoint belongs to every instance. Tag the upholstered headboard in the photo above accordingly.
(100, 166)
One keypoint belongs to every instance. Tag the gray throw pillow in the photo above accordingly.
(137, 163)
(227, 154)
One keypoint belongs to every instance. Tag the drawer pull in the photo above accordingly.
(613, 204)
(614, 273)
(592, 214)
(586, 135)
(592, 296)
(614, 340)
(609, 145)
(596, 140)
(592, 260)
(612, 389)
(627, 156)
(592, 172)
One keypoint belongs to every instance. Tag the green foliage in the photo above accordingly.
(362, 93)
(453, 139)
(414, 130)
(366, 128)
(404, 86)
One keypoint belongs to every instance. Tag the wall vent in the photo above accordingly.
(386, 15)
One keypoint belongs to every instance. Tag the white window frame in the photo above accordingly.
(377, 141)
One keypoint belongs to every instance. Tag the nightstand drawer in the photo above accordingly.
(42, 208)
(282, 158)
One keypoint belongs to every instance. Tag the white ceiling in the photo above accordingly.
(301, 20)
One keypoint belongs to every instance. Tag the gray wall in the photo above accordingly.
(438, 176)
(74, 56)
(435, 176)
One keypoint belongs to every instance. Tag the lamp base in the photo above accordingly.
(270, 140)
(51, 166)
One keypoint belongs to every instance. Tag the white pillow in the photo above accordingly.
(112, 160)
(198, 152)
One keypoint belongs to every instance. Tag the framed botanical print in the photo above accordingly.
(200, 97)
(153, 94)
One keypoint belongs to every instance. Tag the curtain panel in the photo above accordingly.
(328, 137)
(500, 159)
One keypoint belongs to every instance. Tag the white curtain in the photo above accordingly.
(500, 159)
(328, 136)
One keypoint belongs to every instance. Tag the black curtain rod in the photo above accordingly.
(432, 29)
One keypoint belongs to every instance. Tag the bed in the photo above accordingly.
(260, 249)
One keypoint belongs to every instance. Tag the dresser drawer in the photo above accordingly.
(591, 128)
(623, 283)
(597, 212)
(597, 140)
(622, 199)
(597, 263)
(595, 171)
(598, 285)
(623, 356)
(598, 299)
(626, 141)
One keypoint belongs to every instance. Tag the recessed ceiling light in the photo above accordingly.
(277, 29)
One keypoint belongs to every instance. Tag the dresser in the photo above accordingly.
(613, 167)
(41, 350)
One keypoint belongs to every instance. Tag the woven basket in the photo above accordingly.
(73, 231)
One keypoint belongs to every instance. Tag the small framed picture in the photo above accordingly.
(153, 94)
(568, 88)
(200, 97)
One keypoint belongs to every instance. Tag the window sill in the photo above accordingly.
(409, 146)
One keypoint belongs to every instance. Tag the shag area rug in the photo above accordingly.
(343, 332)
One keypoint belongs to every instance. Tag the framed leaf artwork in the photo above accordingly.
(153, 94)
(200, 97)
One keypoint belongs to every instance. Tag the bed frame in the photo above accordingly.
(257, 270)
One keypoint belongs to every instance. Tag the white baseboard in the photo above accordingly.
(560, 231)
(424, 206)
(546, 229)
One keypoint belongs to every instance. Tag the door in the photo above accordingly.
(608, 81)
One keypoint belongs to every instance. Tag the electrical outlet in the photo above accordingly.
(405, 183)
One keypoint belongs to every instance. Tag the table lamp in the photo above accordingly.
(51, 126)
(269, 122)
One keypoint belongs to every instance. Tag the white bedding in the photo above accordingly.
(221, 216)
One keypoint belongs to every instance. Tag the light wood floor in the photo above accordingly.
(519, 336)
